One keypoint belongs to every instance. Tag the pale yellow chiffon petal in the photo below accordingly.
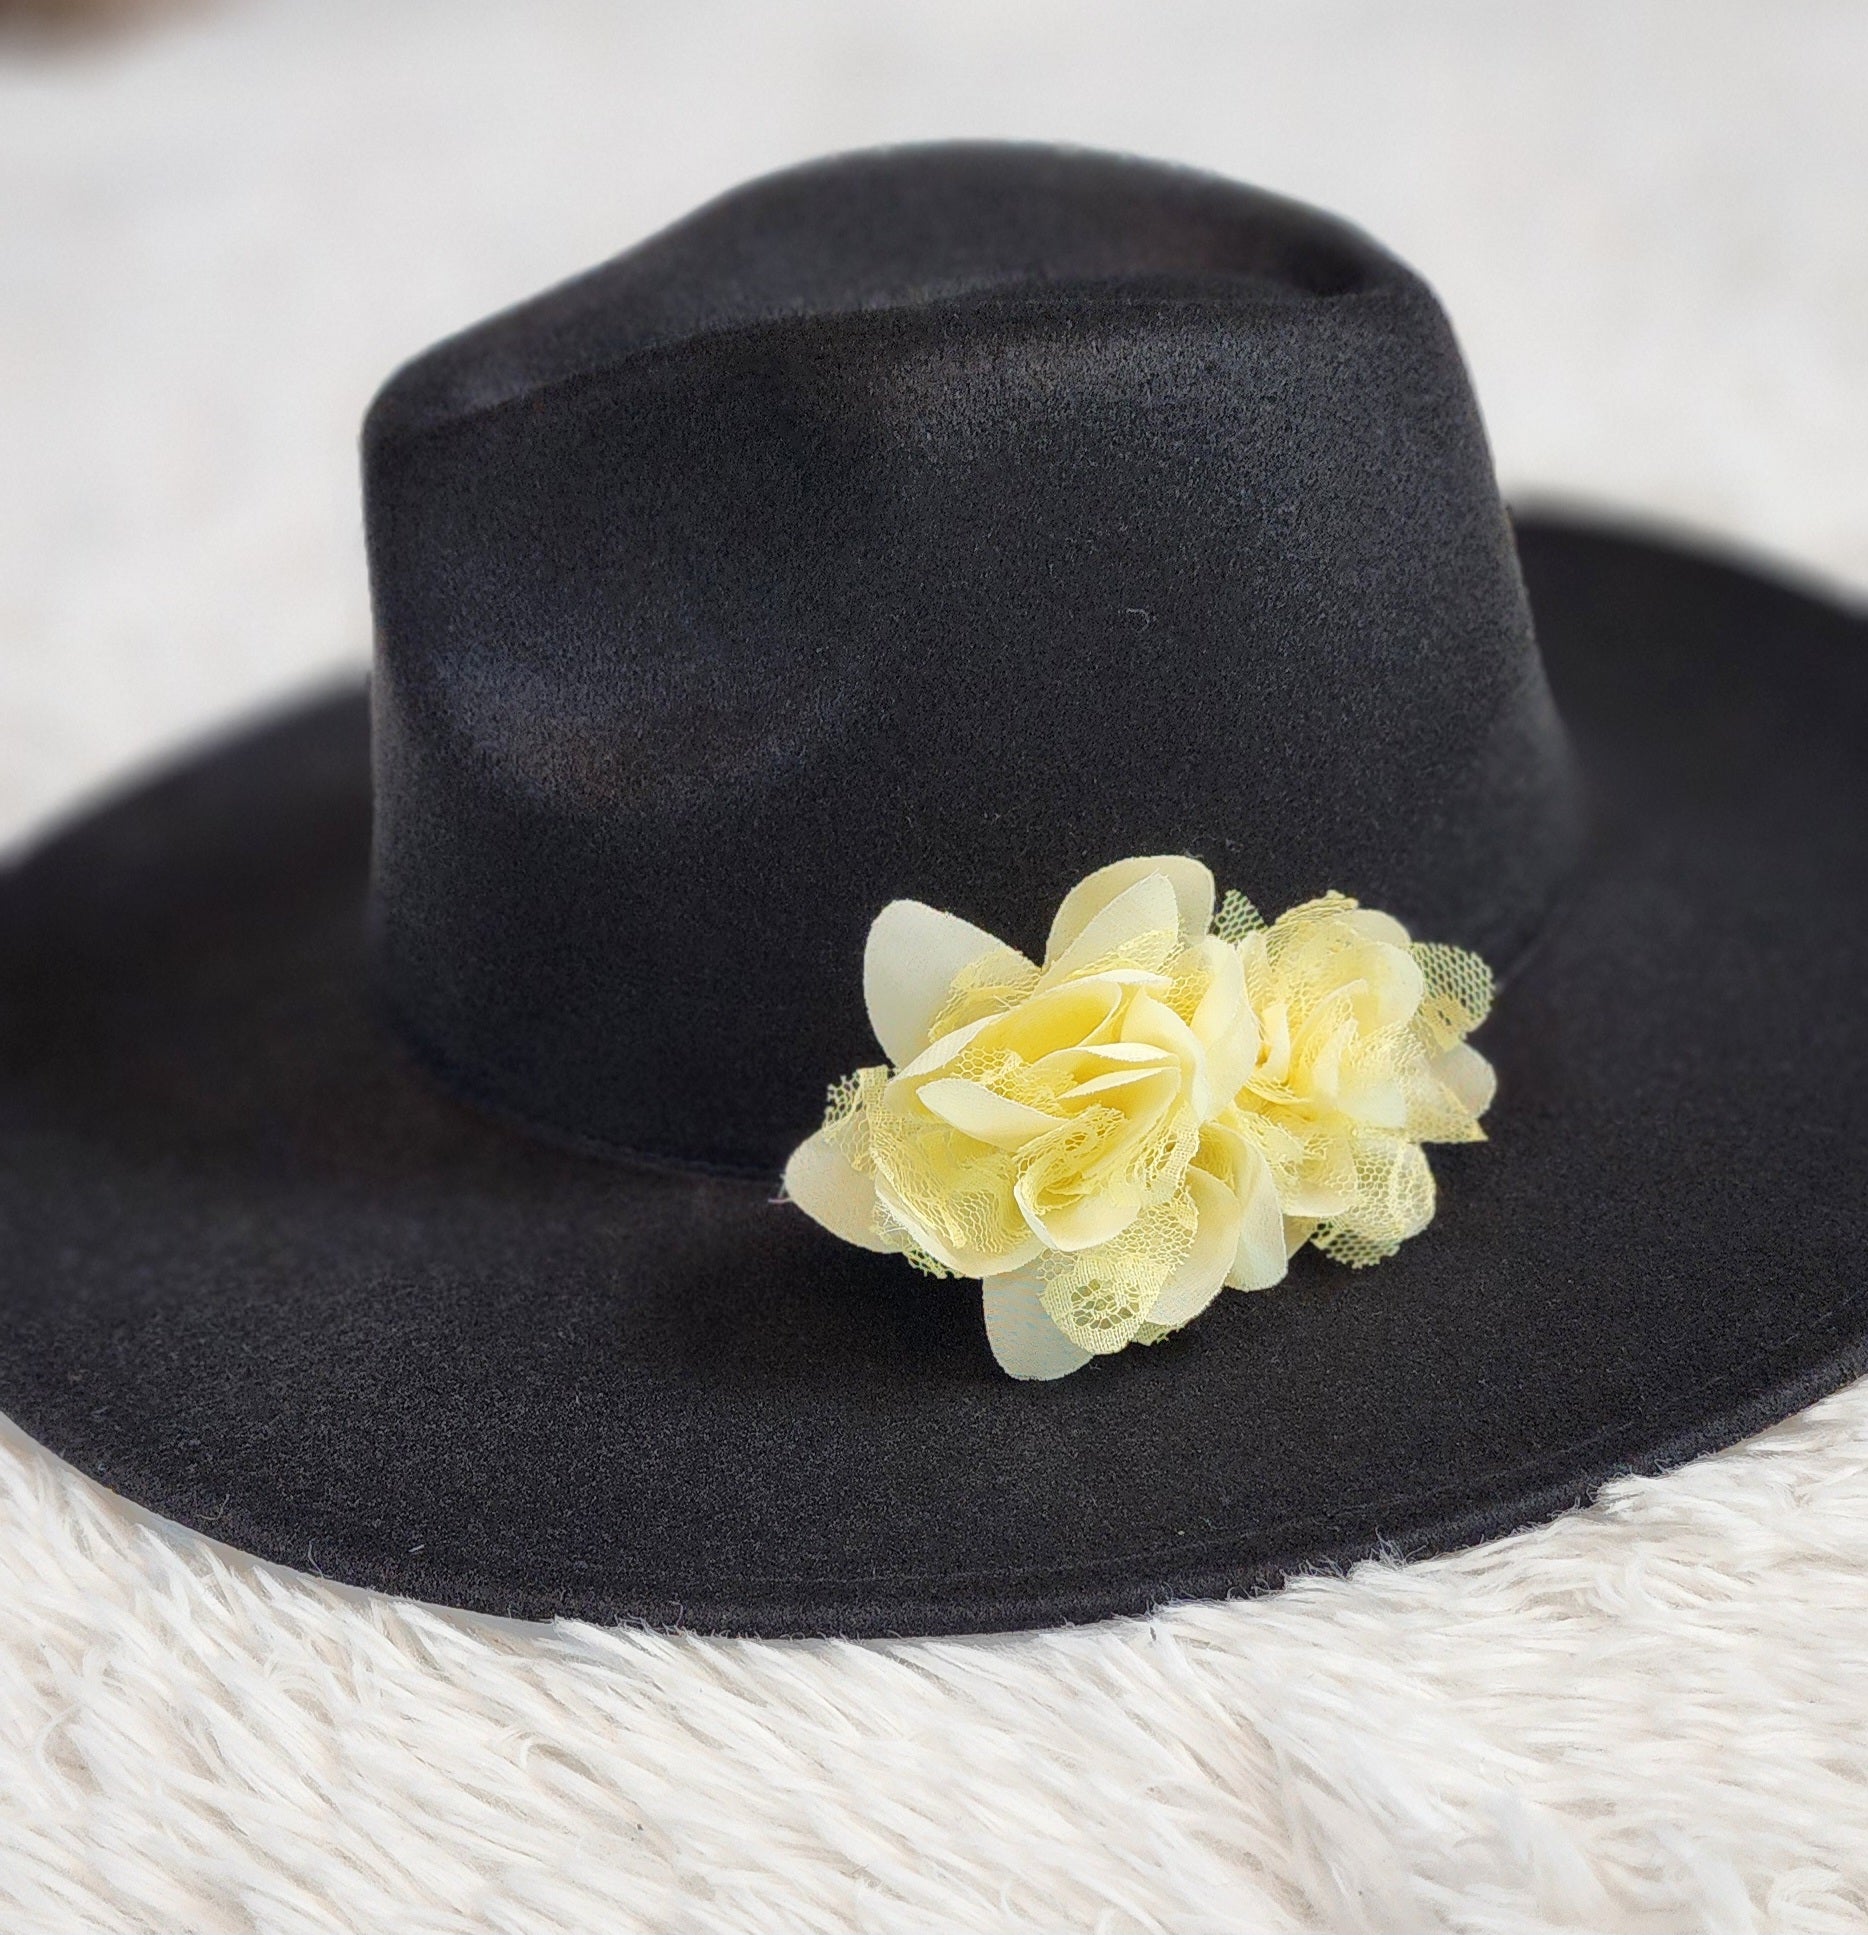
(1202, 1274)
(913, 953)
(1059, 1018)
(1368, 924)
(983, 1114)
(1112, 1083)
(1192, 886)
(1118, 1055)
(1153, 1024)
(1469, 1076)
(1392, 986)
(1147, 907)
(942, 1050)
(1223, 1019)
(1262, 1253)
(821, 1180)
(1023, 1339)
(1085, 1223)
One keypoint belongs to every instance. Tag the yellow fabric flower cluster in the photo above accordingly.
(1171, 1104)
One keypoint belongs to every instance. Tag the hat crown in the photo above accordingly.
(940, 523)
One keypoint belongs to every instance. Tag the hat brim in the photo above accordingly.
(261, 1277)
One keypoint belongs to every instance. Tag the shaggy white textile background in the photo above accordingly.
(1647, 221)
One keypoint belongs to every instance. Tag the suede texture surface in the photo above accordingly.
(941, 523)
(264, 1277)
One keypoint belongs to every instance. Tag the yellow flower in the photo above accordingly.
(1362, 1058)
(1157, 1111)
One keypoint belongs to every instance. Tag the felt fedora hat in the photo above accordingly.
(781, 631)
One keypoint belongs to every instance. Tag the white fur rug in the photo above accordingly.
(214, 238)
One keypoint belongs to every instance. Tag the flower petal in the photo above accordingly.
(964, 1259)
(1326, 1185)
(1203, 1270)
(830, 1190)
(909, 963)
(1224, 1021)
(1153, 1024)
(1023, 1339)
(1124, 1054)
(1468, 1075)
(1367, 924)
(1262, 1253)
(1111, 1082)
(984, 1114)
(1147, 908)
(1059, 1018)
(941, 1051)
(1391, 985)
(1082, 1222)
(1190, 883)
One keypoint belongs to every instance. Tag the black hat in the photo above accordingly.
(393, 1098)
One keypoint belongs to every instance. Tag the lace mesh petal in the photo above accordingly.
(1458, 994)
(1100, 1298)
(1394, 1200)
(993, 985)
(955, 1189)
(1237, 917)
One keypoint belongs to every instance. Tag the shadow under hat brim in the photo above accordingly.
(261, 1276)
